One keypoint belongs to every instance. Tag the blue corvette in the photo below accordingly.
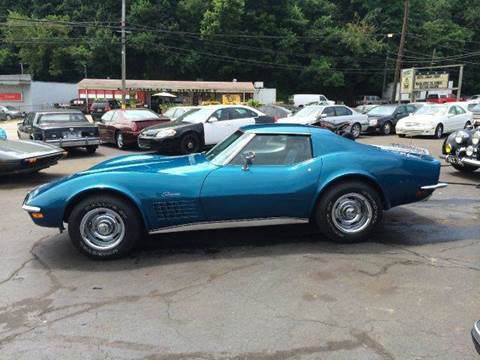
(262, 174)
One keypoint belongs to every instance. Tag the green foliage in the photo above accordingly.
(254, 103)
(335, 47)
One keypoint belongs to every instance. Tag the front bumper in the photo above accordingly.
(434, 187)
(452, 159)
(159, 144)
(68, 143)
(415, 131)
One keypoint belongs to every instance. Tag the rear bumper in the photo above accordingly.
(69, 143)
(451, 159)
(434, 187)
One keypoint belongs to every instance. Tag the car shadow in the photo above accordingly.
(401, 227)
(11, 182)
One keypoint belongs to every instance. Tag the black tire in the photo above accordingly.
(387, 128)
(189, 143)
(356, 129)
(401, 135)
(467, 169)
(329, 202)
(8, 118)
(132, 225)
(468, 124)
(438, 131)
(119, 142)
(91, 149)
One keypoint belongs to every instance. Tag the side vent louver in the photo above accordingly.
(176, 209)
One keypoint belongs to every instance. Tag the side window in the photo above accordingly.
(452, 111)
(342, 111)
(401, 110)
(329, 111)
(460, 110)
(238, 113)
(221, 114)
(411, 109)
(29, 119)
(279, 149)
(107, 116)
(322, 98)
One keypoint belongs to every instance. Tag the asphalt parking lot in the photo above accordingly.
(283, 292)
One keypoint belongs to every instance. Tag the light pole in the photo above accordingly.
(124, 56)
(389, 36)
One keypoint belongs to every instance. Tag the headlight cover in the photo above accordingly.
(476, 138)
(165, 133)
(461, 136)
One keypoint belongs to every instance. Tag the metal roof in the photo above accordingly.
(15, 79)
(169, 85)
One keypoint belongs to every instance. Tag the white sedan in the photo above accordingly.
(435, 120)
(334, 114)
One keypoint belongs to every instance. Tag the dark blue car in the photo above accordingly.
(262, 174)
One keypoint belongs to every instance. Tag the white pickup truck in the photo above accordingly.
(301, 100)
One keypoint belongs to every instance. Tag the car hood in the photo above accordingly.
(168, 125)
(149, 163)
(423, 119)
(379, 117)
(62, 125)
(12, 149)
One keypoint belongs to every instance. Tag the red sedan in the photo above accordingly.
(121, 127)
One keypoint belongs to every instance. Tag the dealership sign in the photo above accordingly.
(411, 80)
(11, 96)
(431, 81)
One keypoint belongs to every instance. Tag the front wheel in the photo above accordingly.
(349, 211)
(9, 118)
(387, 128)
(91, 149)
(439, 131)
(104, 227)
(356, 130)
(119, 141)
(189, 144)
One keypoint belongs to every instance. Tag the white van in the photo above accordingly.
(300, 100)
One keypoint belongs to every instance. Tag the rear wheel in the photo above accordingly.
(349, 211)
(387, 128)
(439, 131)
(9, 117)
(104, 227)
(468, 125)
(91, 149)
(189, 144)
(356, 130)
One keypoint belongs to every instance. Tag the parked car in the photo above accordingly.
(175, 112)
(64, 128)
(79, 104)
(363, 109)
(121, 127)
(384, 118)
(260, 175)
(434, 120)
(474, 97)
(194, 130)
(301, 100)
(476, 335)
(101, 106)
(442, 99)
(461, 149)
(335, 114)
(370, 100)
(475, 110)
(275, 111)
(23, 157)
(8, 112)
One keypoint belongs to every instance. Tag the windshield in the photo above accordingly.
(432, 110)
(133, 115)
(61, 118)
(181, 118)
(197, 116)
(309, 111)
(10, 107)
(475, 108)
(222, 150)
(170, 112)
(382, 110)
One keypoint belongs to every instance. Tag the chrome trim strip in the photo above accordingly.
(434, 187)
(229, 224)
(29, 208)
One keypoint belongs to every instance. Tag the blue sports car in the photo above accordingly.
(261, 174)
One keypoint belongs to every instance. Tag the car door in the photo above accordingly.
(328, 114)
(217, 127)
(25, 129)
(343, 114)
(105, 128)
(461, 118)
(280, 181)
(400, 113)
(451, 122)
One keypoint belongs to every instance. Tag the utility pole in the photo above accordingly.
(85, 74)
(389, 36)
(21, 68)
(124, 56)
(398, 66)
(460, 80)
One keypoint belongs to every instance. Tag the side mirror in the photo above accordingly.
(247, 160)
(213, 119)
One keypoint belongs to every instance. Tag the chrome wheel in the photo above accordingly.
(352, 213)
(120, 140)
(102, 229)
(356, 130)
(387, 128)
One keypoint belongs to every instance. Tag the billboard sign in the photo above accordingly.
(431, 81)
(406, 82)
(11, 96)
